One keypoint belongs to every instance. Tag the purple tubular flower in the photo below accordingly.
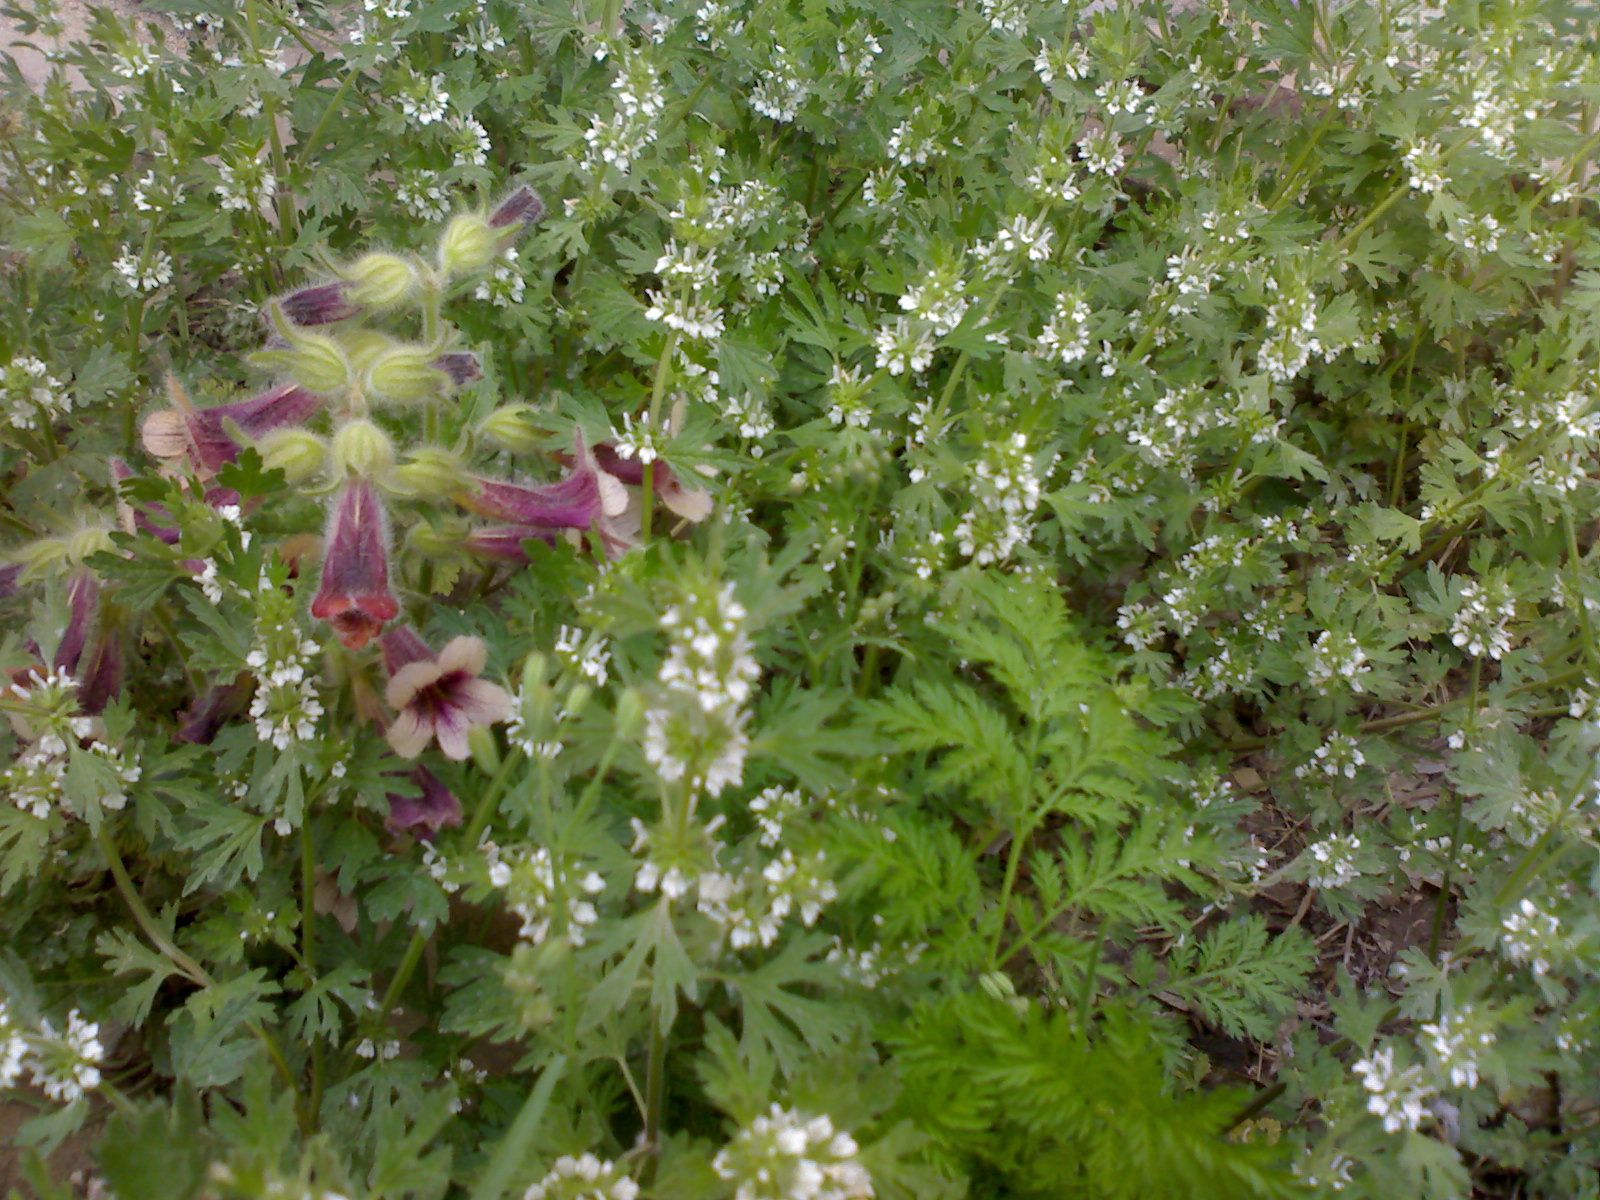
(320, 304)
(461, 365)
(693, 504)
(100, 679)
(523, 207)
(354, 595)
(213, 709)
(585, 496)
(83, 604)
(201, 435)
(424, 815)
(505, 541)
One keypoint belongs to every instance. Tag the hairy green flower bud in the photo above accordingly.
(485, 750)
(360, 448)
(87, 542)
(298, 453)
(317, 363)
(405, 375)
(432, 473)
(381, 280)
(534, 669)
(630, 713)
(469, 244)
(510, 427)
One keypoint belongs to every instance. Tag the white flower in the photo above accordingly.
(1336, 656)
(1424, 162)
(583, 1178)
(1333, 861)
(424, 100)
(780, 89)
(139, 274)
(1456, 1041)
(1396, 1096)
(66, 1066)
(1532, 937)
(904, 346)
(503, 286)
(246, 186)
(29, 391)
(636, 438)
(784, 1155)
(1485, 610)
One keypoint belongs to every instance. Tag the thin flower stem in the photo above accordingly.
(187, 966)
(308, 955)
(419, 940)
(655, 1080)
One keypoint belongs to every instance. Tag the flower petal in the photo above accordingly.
(465, 653)
(409, 734)
(411, 679)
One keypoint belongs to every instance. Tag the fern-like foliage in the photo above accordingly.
(1032, 1105)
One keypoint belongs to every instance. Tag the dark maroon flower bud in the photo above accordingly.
(354, 595)
(320, 304)
(10, 577)
(402, 646)
(83, 605)
(424, 815)
(524, 206)
(214, 708)
(100, 678)
(201, 434)
(461, 365)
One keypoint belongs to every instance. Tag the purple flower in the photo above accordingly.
(586, 497)
(203, 719)
(438, 696)
(200, 435)
(354, 595)
(435, 809)
(88, 651)
(320, 304)
(692, 504)
(524, 206)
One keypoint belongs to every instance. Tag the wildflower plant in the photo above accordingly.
(714, 600)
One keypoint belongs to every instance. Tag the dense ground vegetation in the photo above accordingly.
(812, 600)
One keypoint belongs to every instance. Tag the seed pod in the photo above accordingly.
(510, 427)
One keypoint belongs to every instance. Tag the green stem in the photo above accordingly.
(308, 950)
(187, 966)
(655, 1082)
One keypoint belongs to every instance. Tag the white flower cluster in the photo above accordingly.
(49, 716)
(1531, 937)
(1457, 1041)
(1065, 336)
(752, 417)
(65, 1066)
(543, 888)
(592, 660)
(245, 186)
(424, 100)
(939, 299)
(1006, 488)
(751, 907)
(1338, 755)
(1333, 861)
(904, 346)
(695, 730)
(847, 398)
(1020, 237)
(1396, 1095)
(467, 140)
(1068, 61)
(423, 194)
(285, 708)
(1336, 655)
(585, 1177)
(1484, 612)
(139, 274)
(633, 127)
(687, 303)
(503, 286)
(1424, 163)
(783, 1155)
(30, 391)
(780, 89)
(1291, 337)
(637, 438)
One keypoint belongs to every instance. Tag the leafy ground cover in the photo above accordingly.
(820, 600)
